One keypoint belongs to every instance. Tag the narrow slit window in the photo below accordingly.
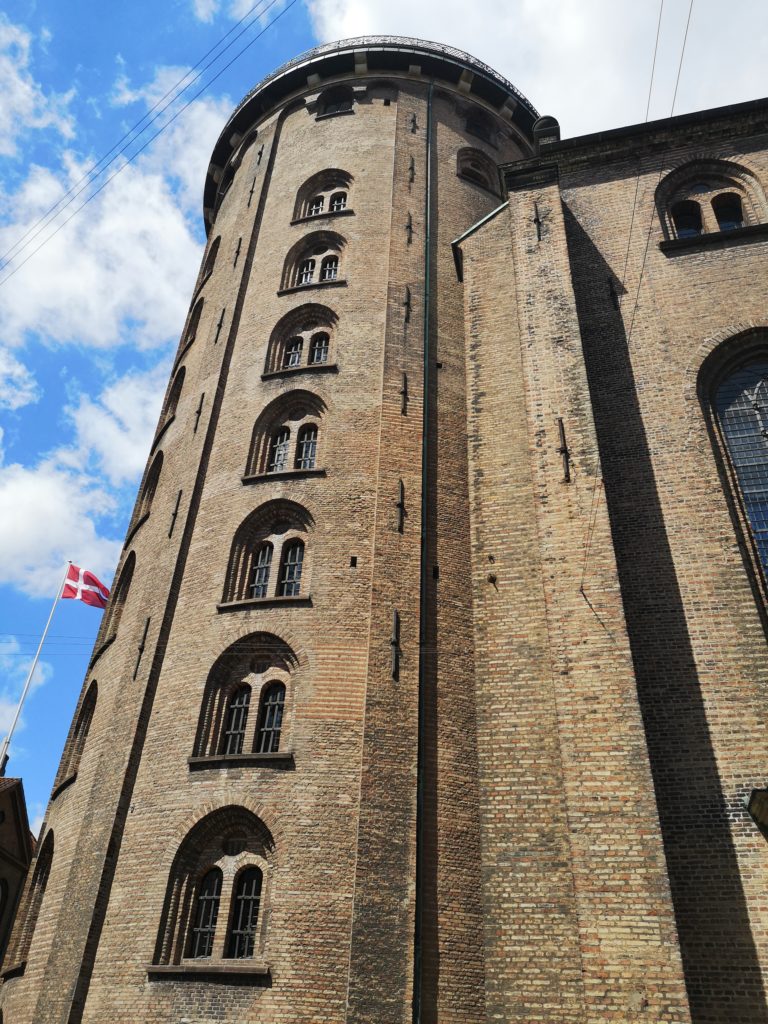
(237, 719)
(206, 915)
(270, 719)
(289, 584)
(278, 451)
(306, 448)
(329, 269)
(245, 914)
(318, 349)
(260, 572)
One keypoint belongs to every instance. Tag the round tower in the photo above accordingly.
(267, 805)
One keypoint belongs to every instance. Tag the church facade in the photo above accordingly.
(432, 685)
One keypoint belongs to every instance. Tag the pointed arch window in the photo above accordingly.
(262, 563)
(206, 914)
(245, 914)
(289, 584)
(237, 721)
(270, 719)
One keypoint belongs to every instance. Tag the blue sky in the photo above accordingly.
(88, 323)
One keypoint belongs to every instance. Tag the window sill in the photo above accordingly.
(286, 474)
(335, 113)
(288, 371)
(263, 602)
(161, 432)
(63, 785)
(675, 245)
(134, 530)
(278, 758)
(346, 212)
(340, 282)
(211, 972)
(98, 653)
(15, 971)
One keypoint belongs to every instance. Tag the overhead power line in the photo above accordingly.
(152, 138)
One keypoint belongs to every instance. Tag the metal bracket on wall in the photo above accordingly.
(219, 325)
(394, 642)
(407, 304)
(537, 220)
(409, 229)
(175, 513)
(400, 506)
(414, 125)
(253, 188)
(198, 412)
(412, 170)
(237, 251)
(404, 394)
(564, 451)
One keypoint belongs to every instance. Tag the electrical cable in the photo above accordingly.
(50, 215)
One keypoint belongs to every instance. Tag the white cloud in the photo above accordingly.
(17, 385)
(14, 669)
(115, 430)
(587, 63)
(25, 106)
(205, 10)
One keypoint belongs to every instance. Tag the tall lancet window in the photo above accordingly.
(741, 406)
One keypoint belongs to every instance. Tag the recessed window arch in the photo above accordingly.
(149, 489)
(194, 323)
(119, 596)
(733, 387)
(237, 692)
(707, 196)
(172, 401)
(218, 891)
(210, 259)
(76, 745)
(26, 921)
(481, 125)
(308, 259)
(303, 340)
(285, 436)
(340, 99)
(325, 193)
(285, 526)
(475, 166)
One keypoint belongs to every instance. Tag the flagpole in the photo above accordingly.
(7, 740)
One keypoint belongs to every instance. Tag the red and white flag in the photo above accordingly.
(82, 585)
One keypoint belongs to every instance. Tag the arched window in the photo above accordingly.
(27, 920)
(220, 874)
(473, 165)
(323, 194)
(150, 487)
(252, 665)
(291, 563)
(281, 524)
(285, 435)
(338, 100)
(708, 196)
(329, 269)
(686, 216)
(245, 914)
(728, 211)
(210, 259)
(741, 408)
(479, 123)
(237, 720)
(194, 322)
(174, 394)
(270, 719)
(318, 348)
(306, 447)
(262, 563)
(291, 342)
(278, 450)
(307, 260)
(206, 914)
(117, 599)
(71, 761)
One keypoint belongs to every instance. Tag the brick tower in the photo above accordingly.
(393, 714)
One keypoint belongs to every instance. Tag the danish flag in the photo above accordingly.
(82, 585)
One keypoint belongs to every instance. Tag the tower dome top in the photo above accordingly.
(365, 55)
